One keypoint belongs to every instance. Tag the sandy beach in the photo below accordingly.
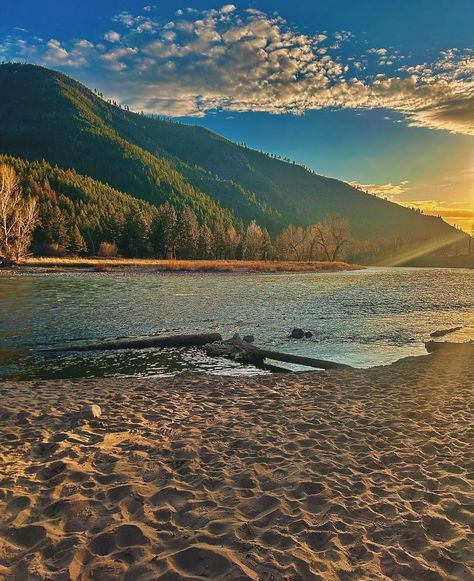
(364, 474)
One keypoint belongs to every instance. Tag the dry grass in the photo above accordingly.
(110, 264)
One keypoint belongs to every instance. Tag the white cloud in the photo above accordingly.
(378, 51)
(228, 8)
(124, 18)
(112, 36)
(113, 59)
(250, 61)
(78, 55)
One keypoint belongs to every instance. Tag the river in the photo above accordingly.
(364, 318)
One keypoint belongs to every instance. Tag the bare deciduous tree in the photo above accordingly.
(291, 243)
(253, 242)
(18, 217)
(333, 236)
(328, 240)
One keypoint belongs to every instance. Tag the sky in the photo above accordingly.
(379, 93)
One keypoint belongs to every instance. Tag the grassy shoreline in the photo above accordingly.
(41, 264)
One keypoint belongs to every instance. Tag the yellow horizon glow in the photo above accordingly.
(459, 215)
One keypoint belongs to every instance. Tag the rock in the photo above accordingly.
(297, 333)
(90, 412)
(249, 338)
(308, 334)
(235, 337)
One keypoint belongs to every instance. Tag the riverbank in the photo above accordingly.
(326, 475)
(149, 266)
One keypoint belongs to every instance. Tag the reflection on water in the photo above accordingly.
(134, 363)
(363, 318)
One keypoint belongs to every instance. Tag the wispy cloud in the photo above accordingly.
(385, 190)
(249, 61)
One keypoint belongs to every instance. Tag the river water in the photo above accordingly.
(364, 318)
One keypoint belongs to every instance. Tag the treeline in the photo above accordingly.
(77, 215)
(80, 216)
(163, 232)
(168, 233)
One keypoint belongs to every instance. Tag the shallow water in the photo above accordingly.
(364, 318)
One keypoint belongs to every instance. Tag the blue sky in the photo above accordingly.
(378, 92)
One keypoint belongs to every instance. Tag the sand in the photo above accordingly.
(335, 475)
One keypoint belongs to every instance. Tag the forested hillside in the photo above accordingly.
(45, 115)
(79, 215)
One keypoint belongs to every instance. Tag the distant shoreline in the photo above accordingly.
(43, 265)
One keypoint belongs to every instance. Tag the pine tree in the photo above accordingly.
(206, 243)
(77, 244)
(54, 226)
(134, 241)
(163, 232)
(232, 239)
(187, 234)
(220, 247)
(267, 246)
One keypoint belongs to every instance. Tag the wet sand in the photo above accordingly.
(364, 474)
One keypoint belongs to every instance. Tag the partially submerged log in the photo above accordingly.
(147, 342)
(235, 349)
(443, 332)
(466, 348)
(244, 353)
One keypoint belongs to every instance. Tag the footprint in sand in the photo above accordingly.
(130, 535)
(258, 507)
(438, 528)
(103, 544)
(27, 536)
(205, 562)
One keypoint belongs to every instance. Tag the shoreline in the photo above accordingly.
(318, 475)
(150, 266)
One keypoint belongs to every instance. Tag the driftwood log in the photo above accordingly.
(243, 352)
(213, 344)
(466, 348)
(146, 342)
(443, 332)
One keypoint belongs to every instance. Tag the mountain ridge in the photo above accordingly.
(47, 115)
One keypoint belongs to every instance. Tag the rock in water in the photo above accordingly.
(90, 412)
(297, 333)
(308, 334)
(249, 338)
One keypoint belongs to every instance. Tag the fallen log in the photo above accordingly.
(463, 348)
(145, 342)
(245, 353)
(443, 332)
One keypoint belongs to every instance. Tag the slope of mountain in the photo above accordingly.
(47, 115)
(68, 199)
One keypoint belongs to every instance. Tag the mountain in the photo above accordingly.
(45, 115)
